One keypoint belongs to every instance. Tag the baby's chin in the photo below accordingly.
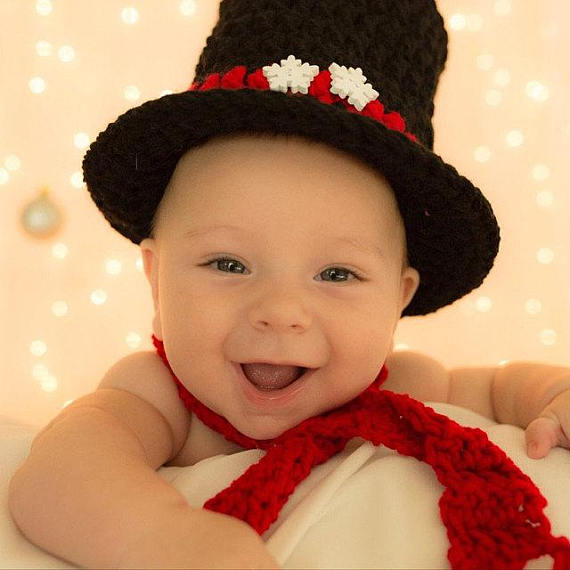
(272, 425)
(264, 428)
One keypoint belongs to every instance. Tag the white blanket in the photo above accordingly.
(366, 507)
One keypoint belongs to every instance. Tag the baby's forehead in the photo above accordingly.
(244, 159)
(239, 150)
(276, 180)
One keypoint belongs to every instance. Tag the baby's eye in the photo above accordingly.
(227, 265)
(334, 274)
(339, 274)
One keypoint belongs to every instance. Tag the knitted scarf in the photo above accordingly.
(492, 511)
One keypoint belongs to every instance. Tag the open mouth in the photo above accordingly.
(273, 393)
(271, 377)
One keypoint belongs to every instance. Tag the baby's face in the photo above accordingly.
(314, 275)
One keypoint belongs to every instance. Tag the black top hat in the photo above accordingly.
(359, 75)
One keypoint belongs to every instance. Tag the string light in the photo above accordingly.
(81, 140)
(44, 7)
(483, 304)
(66, 54)
(533, 306)
(12, 162)
(458, 22)
(471, 22)
(132, 93)
(548, 337)
(514, 138)
(188, 7)
(130, 15)
(59, 308)
(59, 251)
(37, 85)
(545, 255)
(540, 172)
(133, 340)
(113, 266)
(76, 180)
(537, 91)
(482, 154)
(49, 383)
(98, 297)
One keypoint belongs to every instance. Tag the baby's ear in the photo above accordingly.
(149, 251)
(409, 283)
(149, 258)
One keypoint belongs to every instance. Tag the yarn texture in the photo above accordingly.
(492, 511)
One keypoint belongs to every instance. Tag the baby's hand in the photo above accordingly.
(550, 428)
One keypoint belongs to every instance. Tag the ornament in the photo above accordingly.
(41, 218)
(291, 73)
(350, 82)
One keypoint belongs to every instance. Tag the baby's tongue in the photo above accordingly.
(271, 376)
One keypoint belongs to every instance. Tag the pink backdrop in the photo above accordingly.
(74, 303)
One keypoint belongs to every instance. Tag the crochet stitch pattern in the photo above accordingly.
(492, 511)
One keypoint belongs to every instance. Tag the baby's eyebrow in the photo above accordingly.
(208, 229)
(354, 242)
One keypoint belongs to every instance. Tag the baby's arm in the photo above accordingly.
(89, 492)
(530, 395)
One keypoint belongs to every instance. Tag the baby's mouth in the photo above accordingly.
(271, 376)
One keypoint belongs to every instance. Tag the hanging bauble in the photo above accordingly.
(42, 218)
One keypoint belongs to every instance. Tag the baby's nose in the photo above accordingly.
(281, 311)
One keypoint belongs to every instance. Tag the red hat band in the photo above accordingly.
(337, 84)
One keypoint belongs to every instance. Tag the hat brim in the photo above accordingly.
(452, 234)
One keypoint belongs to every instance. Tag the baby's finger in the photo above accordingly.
(542, 435)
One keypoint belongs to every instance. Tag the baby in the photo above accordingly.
(279, 265)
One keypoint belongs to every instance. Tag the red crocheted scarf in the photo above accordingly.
(477, 475)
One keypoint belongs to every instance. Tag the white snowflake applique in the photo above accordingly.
(350, 82)
(292, 73)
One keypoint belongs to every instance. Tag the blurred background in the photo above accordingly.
(73, 296)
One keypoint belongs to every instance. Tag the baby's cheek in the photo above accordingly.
(369, 340)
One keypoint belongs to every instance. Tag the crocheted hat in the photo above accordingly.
(359, 76)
